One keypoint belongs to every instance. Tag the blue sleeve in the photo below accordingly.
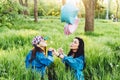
(75, 63)
(27, 63)
(50, 56)
(45, 60)
(49, 53)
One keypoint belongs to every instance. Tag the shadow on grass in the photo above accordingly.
(93, 34)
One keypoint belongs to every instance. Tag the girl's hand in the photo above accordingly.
(55, 52)
(51, 49)
(60, 51)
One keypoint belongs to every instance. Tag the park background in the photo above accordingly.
(99, 26)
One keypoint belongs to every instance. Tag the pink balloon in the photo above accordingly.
(70, 28)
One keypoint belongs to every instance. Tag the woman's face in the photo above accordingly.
(74, 45)
(42, 43)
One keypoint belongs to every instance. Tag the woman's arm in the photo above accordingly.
(75, 63)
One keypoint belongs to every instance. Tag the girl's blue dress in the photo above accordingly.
(40, 62)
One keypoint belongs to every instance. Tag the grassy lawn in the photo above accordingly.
(102, 48)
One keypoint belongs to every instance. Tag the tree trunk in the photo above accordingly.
(21, 3)
(117, 10)
(89, 14)
(63, 2)
(26, 5)
(107, 11)
(35, 11)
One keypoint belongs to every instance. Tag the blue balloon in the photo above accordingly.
(69, 13)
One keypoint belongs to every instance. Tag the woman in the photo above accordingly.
(36, 58)
(75, 59)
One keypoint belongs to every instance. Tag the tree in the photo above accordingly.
(89, 14)
(108, 8)
(63, 2)
(116, 15)
(35, 11)
(99, 8)
(21, 11)
(24, 4)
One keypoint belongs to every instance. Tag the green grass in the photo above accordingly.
(102, 48)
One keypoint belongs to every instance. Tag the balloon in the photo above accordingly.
(70, 28)
(68, 13)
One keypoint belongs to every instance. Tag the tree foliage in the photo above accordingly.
(8, 12)
(99, 9)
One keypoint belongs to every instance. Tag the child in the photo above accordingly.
(36, 59)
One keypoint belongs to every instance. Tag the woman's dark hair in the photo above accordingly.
(34, 50)
(80, 51)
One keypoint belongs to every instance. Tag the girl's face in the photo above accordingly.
(42, 43)
(74, 45)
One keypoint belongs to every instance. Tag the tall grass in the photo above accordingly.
(102, 49)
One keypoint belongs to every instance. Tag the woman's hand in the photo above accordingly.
(58, 54)
(60, 51)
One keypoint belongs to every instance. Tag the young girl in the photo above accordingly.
(75, 59)
(36, 58)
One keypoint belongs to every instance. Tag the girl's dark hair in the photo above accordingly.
(34, 50)
(80, 51)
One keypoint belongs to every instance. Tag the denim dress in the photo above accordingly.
(40, 62)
